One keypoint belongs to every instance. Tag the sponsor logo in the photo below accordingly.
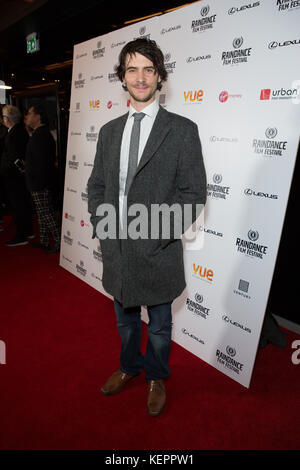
(113, 76)
(215, 138)
(66, 259)
(228, 360)
(191, 335)
(80, 82)
(269, 147)
(203, 273)
(170, 65)
(81, 269)
(110, 104)
(198, 58)
(99, 51)
(97, 253)
(233, 10)
(170, 29)
(228, 320)
(210, 231)
(250, 247)
(205, 21)
(94, 104)
(216, 190)
(196, 306)
(285, 5)
(238, 55)
(274, 44)
(117, 44)
(84, 195)
(79, 56)
(68, 238)
(193, 96)
(91, 136)
(280, 94)
(96, 77)
(73, 163)
(243, 289)
(143, 33)
(70, 217)
(82, 245)
(252, 192)
(224, 95)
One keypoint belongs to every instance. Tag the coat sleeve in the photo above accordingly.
(96, 184)
(190, 181)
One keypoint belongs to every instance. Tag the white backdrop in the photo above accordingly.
(234, 70)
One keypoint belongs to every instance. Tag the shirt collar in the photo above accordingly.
(151, 110)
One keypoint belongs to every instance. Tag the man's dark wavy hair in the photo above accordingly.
(147, 48)
(39, 109)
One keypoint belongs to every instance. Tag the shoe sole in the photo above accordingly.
(18, 244)
(155, 413)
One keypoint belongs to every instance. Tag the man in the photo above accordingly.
(13, 175)
(148, 270)
(40, 159)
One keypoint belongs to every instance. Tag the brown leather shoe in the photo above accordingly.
(156, 397)
(116, 383)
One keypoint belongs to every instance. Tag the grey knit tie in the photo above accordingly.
(133, 149)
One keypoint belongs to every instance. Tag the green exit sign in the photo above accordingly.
(33, 44)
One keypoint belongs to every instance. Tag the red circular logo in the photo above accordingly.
(109, 104)
(223, 96)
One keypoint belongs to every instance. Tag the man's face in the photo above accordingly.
(141, 80)
(32, 120)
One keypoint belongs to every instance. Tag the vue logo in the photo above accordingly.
(203, 272)
(193, 96)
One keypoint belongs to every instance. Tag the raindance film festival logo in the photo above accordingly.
(73, 163)
(91, 136)
(196, 306)
(170, 65)
(238, 55)
(67, 238)
(204, 23)
(269, 147)
(99, 51)
(228, 360)
(81, 269)
(216, 190)
(250, 247)
(286, 5)
(80, 82)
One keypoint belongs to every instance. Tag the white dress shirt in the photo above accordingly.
(147, 122)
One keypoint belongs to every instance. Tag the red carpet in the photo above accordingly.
(62, 343)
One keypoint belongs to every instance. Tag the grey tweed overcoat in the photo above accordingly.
(171, 170)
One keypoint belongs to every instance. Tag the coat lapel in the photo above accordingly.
(160, 129)
(115, 151)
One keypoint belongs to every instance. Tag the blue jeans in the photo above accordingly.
(129, 323)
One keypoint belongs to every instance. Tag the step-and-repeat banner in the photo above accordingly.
(234, 70)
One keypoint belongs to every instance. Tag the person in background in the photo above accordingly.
(12, 171)
(3, 132)
(40, 160)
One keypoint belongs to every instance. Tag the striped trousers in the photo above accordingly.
(46, 216)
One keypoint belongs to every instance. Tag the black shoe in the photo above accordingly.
(17, 241)
(54, 249)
